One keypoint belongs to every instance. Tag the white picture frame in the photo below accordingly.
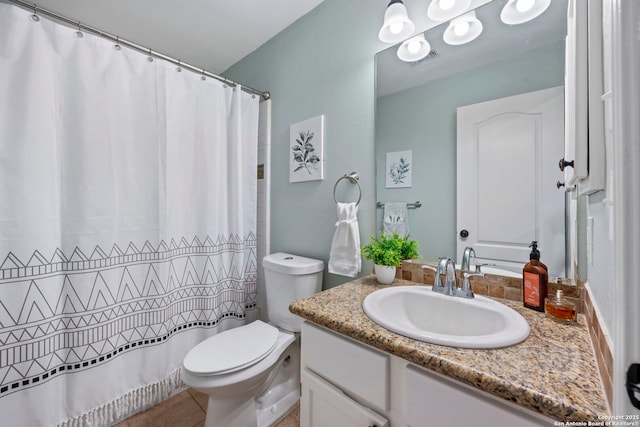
(398, 169)
(306, 150)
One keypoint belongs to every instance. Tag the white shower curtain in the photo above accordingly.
(127, 222)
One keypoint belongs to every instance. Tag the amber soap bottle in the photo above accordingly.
(534, 280)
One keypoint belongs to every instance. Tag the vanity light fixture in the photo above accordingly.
(414, 49)
(397, 26)
(521, 11)
(443, 10)
(463, 29)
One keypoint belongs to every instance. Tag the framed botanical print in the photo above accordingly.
(398, 169)
(306, 144)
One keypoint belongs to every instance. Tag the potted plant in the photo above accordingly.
(387, 253)
(409, 248)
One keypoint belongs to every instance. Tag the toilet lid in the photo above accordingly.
(232, 350)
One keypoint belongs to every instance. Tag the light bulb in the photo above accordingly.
(461, 28)
(413, 46)
(414, 49)
(446, 4)
(396, 27)
(524, 5)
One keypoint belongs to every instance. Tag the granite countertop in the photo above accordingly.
(552, 372)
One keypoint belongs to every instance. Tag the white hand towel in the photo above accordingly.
(344, 258)
(395, 219)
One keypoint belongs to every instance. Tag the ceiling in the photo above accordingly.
(209, 34)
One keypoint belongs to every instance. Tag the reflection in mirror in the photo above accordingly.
(416, 112)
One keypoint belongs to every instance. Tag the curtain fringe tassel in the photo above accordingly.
(128, 404)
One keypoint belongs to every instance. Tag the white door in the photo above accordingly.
(508, 152)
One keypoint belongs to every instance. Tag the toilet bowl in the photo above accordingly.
(252, 373)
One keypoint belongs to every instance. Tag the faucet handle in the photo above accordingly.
(465, 291)
(483, 265)
(442, 269)
(437, 283)
(450, 285)
(430, 267)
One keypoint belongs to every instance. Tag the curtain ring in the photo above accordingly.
(35, 17)
(150, 57)
(117, 45)
(179, 67)
(203, 76)
(79, 34)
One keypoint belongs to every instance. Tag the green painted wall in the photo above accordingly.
(322, 64)
(423, 119)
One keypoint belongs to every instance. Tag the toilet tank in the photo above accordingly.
(288, 278)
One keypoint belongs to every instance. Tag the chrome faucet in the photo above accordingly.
(447, 266)
(450, 286)
(440, 270)
(469, 252)
(466, 258)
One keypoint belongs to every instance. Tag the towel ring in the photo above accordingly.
(354, 179)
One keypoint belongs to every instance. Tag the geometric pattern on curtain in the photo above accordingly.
(127, 222)
(159, 291)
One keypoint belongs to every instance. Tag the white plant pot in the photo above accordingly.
(385, 274)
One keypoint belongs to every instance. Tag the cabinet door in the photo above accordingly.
(435, 400)
(323, 405)
(358, 370)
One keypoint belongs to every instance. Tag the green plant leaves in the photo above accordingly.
(390, 250)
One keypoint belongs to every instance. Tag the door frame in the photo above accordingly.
(626, 176)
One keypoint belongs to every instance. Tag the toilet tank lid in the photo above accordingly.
(291, 264)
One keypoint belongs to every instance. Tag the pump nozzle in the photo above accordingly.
(535, 253)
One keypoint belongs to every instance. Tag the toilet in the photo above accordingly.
(252, 373)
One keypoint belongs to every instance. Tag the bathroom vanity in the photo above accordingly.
(355, 372)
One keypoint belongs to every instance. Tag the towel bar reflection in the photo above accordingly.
(415, 205)
(354, 179)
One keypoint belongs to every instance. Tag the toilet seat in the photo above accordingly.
(232, 350)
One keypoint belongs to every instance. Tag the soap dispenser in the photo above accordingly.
(534, 280)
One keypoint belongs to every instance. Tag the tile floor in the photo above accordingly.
(188, 409)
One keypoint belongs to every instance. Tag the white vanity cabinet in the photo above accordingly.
(346, 383)
(343, 383)
(324, 405)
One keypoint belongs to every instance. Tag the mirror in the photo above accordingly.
(416, 109)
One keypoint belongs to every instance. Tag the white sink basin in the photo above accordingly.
(419, 313)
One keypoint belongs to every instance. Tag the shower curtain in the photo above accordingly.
(127, 222)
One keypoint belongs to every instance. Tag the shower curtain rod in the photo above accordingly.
(77, 24)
